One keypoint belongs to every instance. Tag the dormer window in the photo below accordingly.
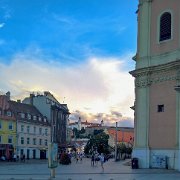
(34, 117)
(22, 115)
(165, 26)
(9, 113)
(29, 116)
(45, 119)
(40, 118)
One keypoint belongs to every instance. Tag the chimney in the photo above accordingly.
(31, 99)
(8, 95)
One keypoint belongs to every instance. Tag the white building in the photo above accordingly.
(33, 131)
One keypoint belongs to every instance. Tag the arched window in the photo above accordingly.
(165, 26)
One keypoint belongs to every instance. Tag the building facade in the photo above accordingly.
(8, 135)
(33, 131)
(57, 115)
(157, 83)
(23, 130)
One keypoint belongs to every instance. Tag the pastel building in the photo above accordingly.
(8, 136)
(157, 83)
(23, 130)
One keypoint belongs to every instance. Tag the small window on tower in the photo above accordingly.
(165, 26)
(160, 108)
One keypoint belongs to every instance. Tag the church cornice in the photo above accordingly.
(154, 69)
(156, 74)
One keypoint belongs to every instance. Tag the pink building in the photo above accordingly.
(157, 83)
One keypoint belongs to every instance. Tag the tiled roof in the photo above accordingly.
(18, 108)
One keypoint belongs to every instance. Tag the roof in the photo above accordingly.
(18, 108)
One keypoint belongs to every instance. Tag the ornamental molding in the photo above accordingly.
(143, 82)
(156, 74)
(159, 69)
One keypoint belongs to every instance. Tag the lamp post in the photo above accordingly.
(116, 143)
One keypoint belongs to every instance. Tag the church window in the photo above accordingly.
(165, 26)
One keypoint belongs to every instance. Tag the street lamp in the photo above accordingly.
(116, 143)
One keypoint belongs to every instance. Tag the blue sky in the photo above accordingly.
(67, 36)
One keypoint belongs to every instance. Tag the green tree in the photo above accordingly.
(98, 142)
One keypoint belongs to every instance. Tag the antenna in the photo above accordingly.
(64, 99)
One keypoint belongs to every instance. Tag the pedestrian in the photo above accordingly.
(77, 158)
(92, 160)
(80, 156)
(101, 157)
(14, 157)
(24, 157)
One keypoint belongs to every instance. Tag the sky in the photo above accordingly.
(79, 50)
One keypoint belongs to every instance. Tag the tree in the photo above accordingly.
(121, 149)
(98, 142)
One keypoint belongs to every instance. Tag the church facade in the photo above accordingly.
(157, 83)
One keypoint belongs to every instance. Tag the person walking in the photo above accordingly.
(92, 159)
(101, 157)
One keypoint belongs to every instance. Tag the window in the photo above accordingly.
(0, 139)
(10, 139)
(22, 140)
(45, 142)
(165, 26)
(10, 126)
(0, 125)
(34, 117)
(29, 116)
(28, 140)
(34, 141)
(22, 115)
(45, 119)
(22, 128)
(0, 112)
(40, 141)
(34, 130)
(28, 129)
(8, 113)
(40, 130)
(46, 132)
(160, 108)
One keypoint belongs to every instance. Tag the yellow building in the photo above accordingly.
(7, 137)
(7, 127)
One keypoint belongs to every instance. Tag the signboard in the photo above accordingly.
(52, 155)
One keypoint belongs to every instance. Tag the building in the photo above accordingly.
(84, 124)
(124, 135)
(57, 115)
(33, 131)
(24, 130)
(157, 83)
(8, 136)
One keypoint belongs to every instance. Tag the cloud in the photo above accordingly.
(108, 118)
(2, 25)
(96, 89)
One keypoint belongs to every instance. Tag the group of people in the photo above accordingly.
(98, 157)
(13, 158)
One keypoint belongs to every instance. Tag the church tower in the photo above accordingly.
(157, 83)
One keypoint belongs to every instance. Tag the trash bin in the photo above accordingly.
(134, 163)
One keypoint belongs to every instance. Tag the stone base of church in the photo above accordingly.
(160, 158)
(143, 157)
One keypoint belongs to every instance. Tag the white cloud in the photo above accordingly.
(98, 85)
(2, 25)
